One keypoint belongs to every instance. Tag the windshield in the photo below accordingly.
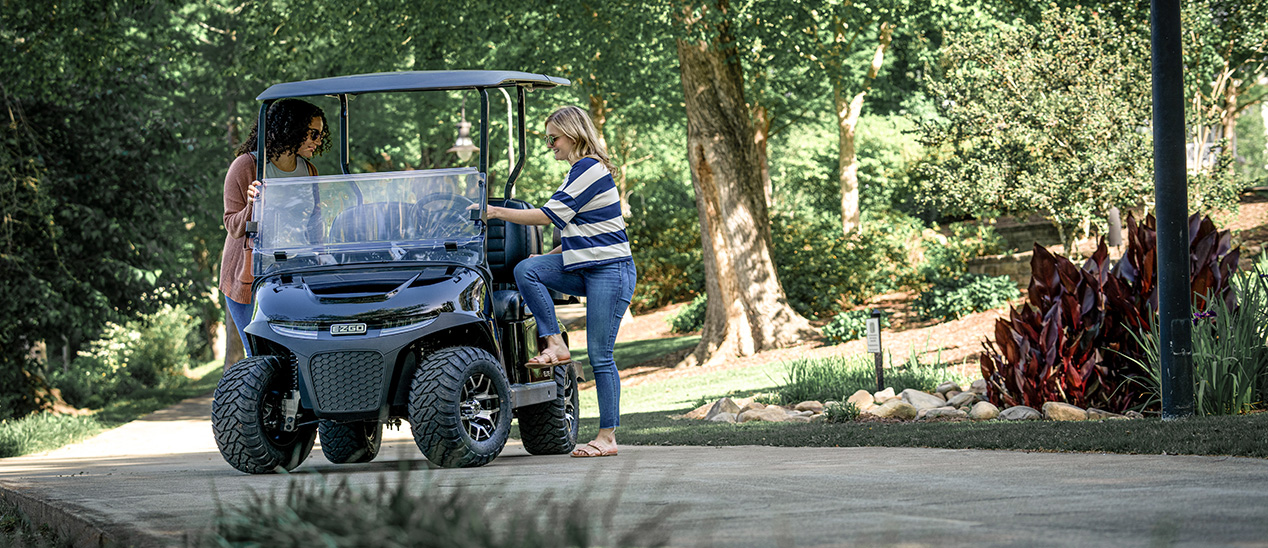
(368, 218)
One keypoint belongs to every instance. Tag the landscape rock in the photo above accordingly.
(751, 406)
(1056, 411)
(921, 400)
(979, 387)
(698, 413)
(819, 418)
(952, 394)
(895, 409)
(861, 399)
(1020, 413)
(963, 399)
(722, 417)
(983, 411)
(1094, 414)
(767, 414)
(1133, 415)
(884, 396)
(812, 405)
(724, 405)
(799, 418)
(948, 387)
(945, 412)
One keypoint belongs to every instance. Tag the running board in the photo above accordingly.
(532, 393)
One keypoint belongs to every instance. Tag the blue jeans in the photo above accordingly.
(608, 289)
(241, 314)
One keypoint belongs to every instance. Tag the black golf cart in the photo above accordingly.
(382, 296)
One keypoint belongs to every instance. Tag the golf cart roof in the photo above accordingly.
(411, 81)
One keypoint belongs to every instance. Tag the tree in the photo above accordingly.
(1050, 119)
(747, 310)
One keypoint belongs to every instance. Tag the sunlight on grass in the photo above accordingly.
(675, 394)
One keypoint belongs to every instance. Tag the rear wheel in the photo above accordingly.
(550, 428)
(460, 407)
(247, 417)
(347, 442)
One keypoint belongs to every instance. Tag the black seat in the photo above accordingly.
(376, 222)
(507, 245)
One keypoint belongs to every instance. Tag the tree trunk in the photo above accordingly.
(847, 122)
(761, 137)
(747, 310)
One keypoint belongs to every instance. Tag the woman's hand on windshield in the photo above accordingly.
(253, 191)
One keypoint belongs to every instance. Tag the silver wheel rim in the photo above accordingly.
(479, 407)
(570, 411)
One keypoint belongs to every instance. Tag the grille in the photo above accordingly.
(347, 381)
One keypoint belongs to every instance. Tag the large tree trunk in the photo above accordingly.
(747, 311)
(761, 138)
(847, 121)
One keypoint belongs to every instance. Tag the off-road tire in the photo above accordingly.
(550, 428)
(245, 415)
(451, 432)
(348, 442)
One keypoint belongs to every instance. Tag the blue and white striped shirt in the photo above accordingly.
(587, 209)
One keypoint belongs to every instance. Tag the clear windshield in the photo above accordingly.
(368, 218)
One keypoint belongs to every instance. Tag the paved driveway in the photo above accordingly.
(158, 479)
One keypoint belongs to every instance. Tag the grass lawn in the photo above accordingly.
(45, 431)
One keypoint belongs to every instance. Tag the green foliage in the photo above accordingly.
(952, 297)
(17, 531)
(823, 271)
(43, 431)
(1252, 147)
(146, 353)
(850, 325)
(838, 412)
(664, 232)
(1042, 119)
(1230, 359)
(690, 317)
(948, 256)
(397, 514)
(835, 378)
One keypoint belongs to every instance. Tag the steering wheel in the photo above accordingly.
(438, 212)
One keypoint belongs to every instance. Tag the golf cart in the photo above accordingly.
(384, 296)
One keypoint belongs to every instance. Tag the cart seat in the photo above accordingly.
(509, 243)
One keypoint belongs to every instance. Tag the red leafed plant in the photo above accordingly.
(1071, 341)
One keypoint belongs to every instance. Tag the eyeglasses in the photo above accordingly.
(550, 140)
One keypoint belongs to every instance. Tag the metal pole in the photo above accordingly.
(1172, 206)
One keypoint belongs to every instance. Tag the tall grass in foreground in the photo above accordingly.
(44, 431)
(318, 513)
(837, 377)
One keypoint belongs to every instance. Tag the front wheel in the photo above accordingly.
(460, 407)
(550, 428)
(351, 441)
(247, 417)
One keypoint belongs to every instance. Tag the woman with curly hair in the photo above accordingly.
(296, 130)
(593, 261)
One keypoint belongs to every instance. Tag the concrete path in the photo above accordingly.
(157, 481)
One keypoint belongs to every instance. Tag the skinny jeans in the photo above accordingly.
(241, 314)
(608, 289)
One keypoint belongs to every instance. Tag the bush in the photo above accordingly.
(1230, 359)
(1072, 342)
(838, 377)
(689, 318)
(951, 298)
(947, 257)
(848, 326)
(841, 412)
(406, 515)
(141, 354)
(822, 271)
(664, 236)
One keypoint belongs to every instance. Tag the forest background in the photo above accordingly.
(844, 134)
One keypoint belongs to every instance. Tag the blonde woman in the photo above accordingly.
(593, 261)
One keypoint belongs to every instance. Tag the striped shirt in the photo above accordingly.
(587, 210)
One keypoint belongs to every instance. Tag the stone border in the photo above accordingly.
(67, 521)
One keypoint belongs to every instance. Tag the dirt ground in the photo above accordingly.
(957, 342)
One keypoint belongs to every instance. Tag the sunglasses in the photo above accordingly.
(550, 140)
(314, 134)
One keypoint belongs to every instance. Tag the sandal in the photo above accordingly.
(553, 360)
(598, 452)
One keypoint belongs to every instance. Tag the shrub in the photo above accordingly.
(947, 257)
(850, 325)
(664, 235)
(1073, 340)
(953, 297)
(1230, 359)
(690, 317)
(841, 412)
(406, 515)
(820, 269)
